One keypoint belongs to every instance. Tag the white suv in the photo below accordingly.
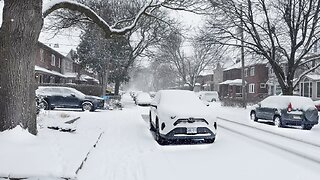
(180, 114)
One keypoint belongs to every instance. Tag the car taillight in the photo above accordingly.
(289, 107)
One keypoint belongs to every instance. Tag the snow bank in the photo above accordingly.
(51, 153)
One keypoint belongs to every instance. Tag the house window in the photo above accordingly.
(306, 88)
(318, 89)
(53, 60)
(246, 72)
(262, 85)
(40, 79)
(59, 63)
(252, 71)
(41, 55)
(251, 88)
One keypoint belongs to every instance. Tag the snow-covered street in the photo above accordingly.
(127, 150)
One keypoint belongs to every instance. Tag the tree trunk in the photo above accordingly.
(22, 23)
(116, 87)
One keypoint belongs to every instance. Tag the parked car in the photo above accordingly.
(143, 99)
(287, 110)
(180, 114)
(66, 97)
(317, 104)
(209, 96)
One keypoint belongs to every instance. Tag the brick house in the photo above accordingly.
(48, 65)
(256, 77)
(210, 79)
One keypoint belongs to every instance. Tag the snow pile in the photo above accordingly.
(50, 154)
(17, 135)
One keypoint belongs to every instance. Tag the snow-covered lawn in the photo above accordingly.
(127, 150)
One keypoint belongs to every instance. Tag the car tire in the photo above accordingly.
(253, 116)
(210, 140)
(87, 106)
(158, 137)
(306, 127)
(45, 105)
(277, 121)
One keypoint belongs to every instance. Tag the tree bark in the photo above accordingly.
(22, 23)
(116, 87)
(105, 78)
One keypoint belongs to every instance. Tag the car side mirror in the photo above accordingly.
(259, 104)
(73, 95)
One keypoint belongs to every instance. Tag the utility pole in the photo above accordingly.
(244, 102)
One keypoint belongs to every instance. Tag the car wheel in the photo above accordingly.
(150, 122)
(277, 121)
(306, 127)
(87, 106)
(253, 116)
(44, 105)
(210, 140)
(159, 139)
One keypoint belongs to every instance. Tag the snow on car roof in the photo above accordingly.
(179, 97)
(281, 102)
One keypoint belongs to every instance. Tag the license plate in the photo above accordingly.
(191, 130)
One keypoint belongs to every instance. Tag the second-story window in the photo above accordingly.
(252, 71)
(246, 72)
(53, 60)
(41, 55)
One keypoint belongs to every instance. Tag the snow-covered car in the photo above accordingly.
(287, 110)
(66, 97)
(143, 99)
(180, 114)
(209, 96)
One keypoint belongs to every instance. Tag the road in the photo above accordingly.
(128, 151)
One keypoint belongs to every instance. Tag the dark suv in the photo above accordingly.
(287, 110)
(65, 97)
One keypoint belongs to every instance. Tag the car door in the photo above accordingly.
(267, 108)
(55, 98)
(70, 98)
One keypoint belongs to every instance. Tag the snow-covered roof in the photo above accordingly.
(249, 62)
(314, 77)
(70, 75)
(236, 82)
(85, 77)
(41, 69)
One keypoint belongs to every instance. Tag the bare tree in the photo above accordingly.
(171, 50)
(18, 49)
(281, 31)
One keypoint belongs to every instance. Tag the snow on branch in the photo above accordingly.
(75, 6)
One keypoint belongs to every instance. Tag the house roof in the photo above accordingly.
(314, 77)
(44, 70)
(236, 82)
(248, 62)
